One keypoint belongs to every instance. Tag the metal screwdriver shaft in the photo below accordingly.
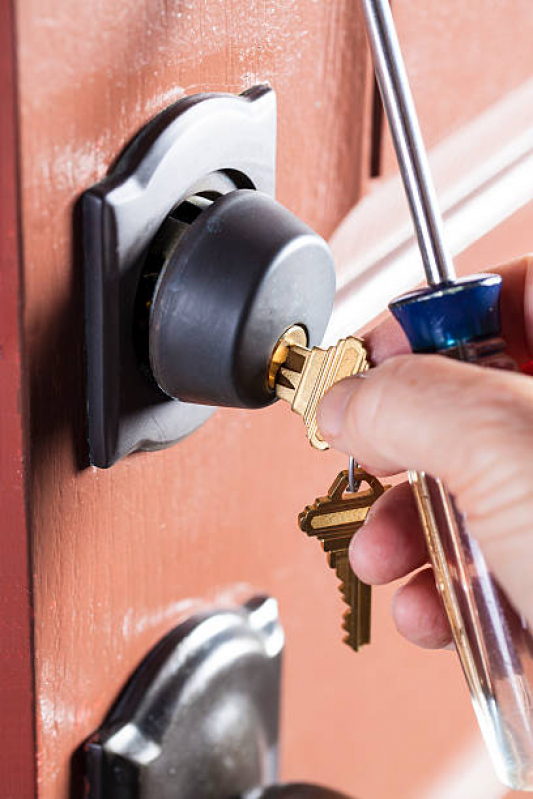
(408, 143)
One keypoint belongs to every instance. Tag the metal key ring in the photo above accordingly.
(353, 484)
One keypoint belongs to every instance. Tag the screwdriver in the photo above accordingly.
(458, 318)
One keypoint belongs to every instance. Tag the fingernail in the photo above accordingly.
(330, 413)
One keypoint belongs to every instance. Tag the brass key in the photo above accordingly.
(301, 376)
(334, 519)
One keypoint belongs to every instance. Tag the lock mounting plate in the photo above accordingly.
(207, 143)
(199, 718)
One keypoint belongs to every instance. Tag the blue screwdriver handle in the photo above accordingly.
(460, 319)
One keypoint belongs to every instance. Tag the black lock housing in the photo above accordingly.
(244, 271)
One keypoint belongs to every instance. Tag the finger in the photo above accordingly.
(419, 614)
(472, 427)
(386, 340)
(391, 543)
(516, 306)
(516, 309)
(432, 414)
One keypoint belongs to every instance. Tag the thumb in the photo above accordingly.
(471, 426)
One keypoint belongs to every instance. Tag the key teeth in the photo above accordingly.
(344, 591)
(351, 640)
(349, 624)
(356, 636)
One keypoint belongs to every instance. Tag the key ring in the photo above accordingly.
(353, 484)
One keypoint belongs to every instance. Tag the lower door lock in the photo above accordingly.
(199, 718)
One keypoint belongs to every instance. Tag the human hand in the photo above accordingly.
(470, 426)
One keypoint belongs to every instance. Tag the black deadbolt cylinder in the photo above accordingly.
(243, 271)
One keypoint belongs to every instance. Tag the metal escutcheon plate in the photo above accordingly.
(199, 718)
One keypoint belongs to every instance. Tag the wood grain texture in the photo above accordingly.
(17, 761)
(121, 556)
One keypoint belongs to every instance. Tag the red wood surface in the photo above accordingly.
(460, 58)
(118, 555)
(17, 771)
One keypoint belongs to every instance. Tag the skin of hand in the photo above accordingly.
(470, 426)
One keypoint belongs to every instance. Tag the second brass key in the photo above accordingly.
(334, 519)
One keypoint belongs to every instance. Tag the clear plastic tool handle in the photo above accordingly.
(493, 643)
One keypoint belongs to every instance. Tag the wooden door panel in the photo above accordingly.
(119, 556)
(461, 58)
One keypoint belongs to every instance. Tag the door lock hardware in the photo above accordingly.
(231, 281)
(193, 273)
(199, 718)
(205, 144)
(301, 376)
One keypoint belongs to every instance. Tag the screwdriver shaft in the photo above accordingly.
(410, 151)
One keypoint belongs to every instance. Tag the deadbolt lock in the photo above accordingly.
(229, 285)
(199, 718)
(193, 273)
